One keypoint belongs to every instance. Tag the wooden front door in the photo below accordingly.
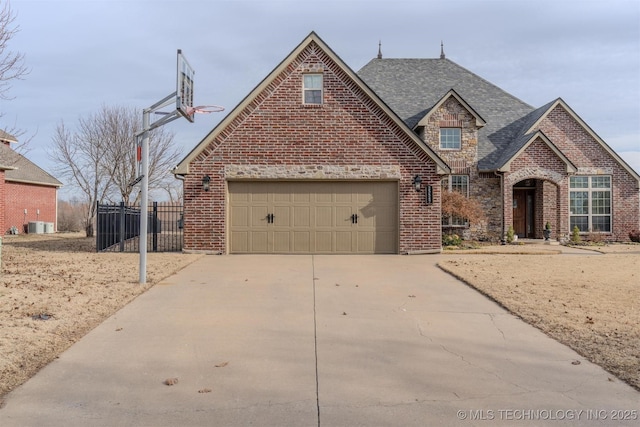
(523, 213)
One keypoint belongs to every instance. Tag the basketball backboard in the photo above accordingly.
(184, 88)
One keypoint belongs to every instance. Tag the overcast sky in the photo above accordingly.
(87, 53)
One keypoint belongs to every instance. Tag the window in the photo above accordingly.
(312, 88)
(590, 203)
(459, 183)
(450, 138)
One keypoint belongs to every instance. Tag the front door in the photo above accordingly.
(523, 212)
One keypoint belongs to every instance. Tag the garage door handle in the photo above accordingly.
(270, 218)
(354, 218)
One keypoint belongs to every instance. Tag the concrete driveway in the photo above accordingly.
(318, 340)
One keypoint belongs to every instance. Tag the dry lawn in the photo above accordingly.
(591, 303)
(56, 288)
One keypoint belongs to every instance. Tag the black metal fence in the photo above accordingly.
(118, 227)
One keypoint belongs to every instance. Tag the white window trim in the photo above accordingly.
(305, 89)
(449, 148)
(589, 189)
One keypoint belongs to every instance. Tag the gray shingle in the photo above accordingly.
(25, 170)
(411, 87)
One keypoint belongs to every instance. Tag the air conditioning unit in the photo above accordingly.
(36, 227)
(49, 228)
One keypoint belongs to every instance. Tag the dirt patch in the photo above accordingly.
(589, 302)
(56, 288)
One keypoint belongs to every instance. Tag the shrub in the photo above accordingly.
(451, 240)
(596, 238)
(510, 234)
(575, 235)
(634, 236)
(458, 205)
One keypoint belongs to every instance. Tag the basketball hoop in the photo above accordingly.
(204, 109)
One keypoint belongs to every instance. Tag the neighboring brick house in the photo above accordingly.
(319, 159)
(27, 193)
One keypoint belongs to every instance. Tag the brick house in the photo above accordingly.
(27, 192)
(319, 159)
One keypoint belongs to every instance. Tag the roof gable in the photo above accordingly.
(521, 144)
(560, 103)
(452, 94)
(183, 167)
(409, 85)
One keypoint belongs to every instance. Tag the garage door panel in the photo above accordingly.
(385, 242)
(323, 242)
(281, 241)
(302, 242)
(239, 216)
(313, 217)
(260, 194)
(366, 241)
(344, 242)
(281, 216)
(323, 216)
(385, 218)
(240, 241)
(301, 216)
(258, 241)
(258, 216)
(342, 218)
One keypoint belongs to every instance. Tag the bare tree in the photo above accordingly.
(11, 63)
(79, 159)
(99, 158)
(173, 190)
(122, 124)
(12, 67)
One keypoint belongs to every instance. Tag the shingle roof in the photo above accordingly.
(23, 169)
(4, 136)
(412, 86)
(517, 136)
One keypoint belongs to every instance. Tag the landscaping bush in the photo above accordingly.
(575, 235)
(634, 236)
(451, 240)
(510, 234)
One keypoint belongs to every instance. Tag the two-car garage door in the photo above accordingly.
(313, 217)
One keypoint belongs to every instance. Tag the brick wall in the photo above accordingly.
(21, 196)
(275, 131)
(592, 159)
(538, 161)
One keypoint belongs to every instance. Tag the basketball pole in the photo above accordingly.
(147, 127)
(144, 207)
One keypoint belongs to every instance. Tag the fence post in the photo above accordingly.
(122, 228)
(155, 227)
(97, 226)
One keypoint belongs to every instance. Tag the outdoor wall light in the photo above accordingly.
(205, 182)
(417, 182)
